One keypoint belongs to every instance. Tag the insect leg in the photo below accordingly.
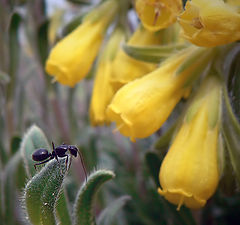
(53, 146)
(54, 152)
(42, 162)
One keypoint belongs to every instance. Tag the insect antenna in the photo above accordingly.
(83, 164)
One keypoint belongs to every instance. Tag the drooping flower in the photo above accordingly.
(126, 68)
(141, 107)
(158, 14)
(210, 23)
(189, 173)
(71, 59)
(103, 90)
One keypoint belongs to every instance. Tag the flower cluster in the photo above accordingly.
(174, 54)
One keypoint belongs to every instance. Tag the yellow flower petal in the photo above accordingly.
(102, 90)
(125, 68)
(189, 173)
(140, 107)
(210, 23)
(71, 59)
(234, 3)
(158, 14)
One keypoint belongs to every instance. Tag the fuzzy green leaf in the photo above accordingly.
(32, 140)
(152, 54)
(62, 210)
(231, 132)
(21, 176)
(83, 213)
(42, 192)
(9, 188)
(108, 215)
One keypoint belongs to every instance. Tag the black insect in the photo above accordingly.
(42, 155)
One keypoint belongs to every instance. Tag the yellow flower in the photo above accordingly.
(126, 68)
(158, 14)
(102, 90)
(210, 23)
(140, 107)
(71, 59)
(189, 173)
(233, 2)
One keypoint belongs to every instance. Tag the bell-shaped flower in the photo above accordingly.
(189, 173)
(141, 107)
(71, 59)
(126, 68)
(158, 14)
(210, 23)
(103, 90)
